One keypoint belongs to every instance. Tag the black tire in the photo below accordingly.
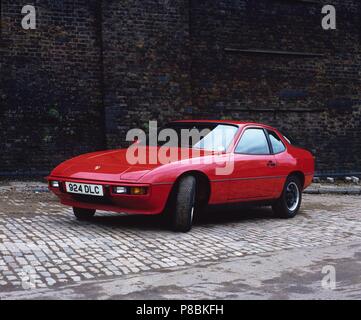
(184, 204)
(83, 214)
(288, 205)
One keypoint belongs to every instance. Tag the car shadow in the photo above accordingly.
(140, 222)
(233, 213)
(211, 216)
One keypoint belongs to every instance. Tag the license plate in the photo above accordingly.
(87, 189)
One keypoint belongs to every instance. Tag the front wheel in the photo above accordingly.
(288, 205)
(83, 214)
(184, 208)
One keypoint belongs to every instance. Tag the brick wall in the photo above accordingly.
(313, 98)
(146, 63)
(94, 69)
(50, 98)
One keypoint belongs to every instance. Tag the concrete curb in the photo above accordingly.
(334, 190)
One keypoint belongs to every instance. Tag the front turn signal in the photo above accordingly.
(138, 191)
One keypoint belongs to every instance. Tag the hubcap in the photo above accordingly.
(292, 196)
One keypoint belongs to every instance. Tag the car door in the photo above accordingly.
(285, 162)
(254, 167)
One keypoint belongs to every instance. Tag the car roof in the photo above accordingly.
(231, 122)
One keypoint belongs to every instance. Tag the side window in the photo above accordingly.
(253, 141)
(276, 142)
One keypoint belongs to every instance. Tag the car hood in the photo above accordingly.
(112, 165)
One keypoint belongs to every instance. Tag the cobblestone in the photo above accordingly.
(46, 246)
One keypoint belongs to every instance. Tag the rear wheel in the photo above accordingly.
(288, 205)
(184, 204)
(84, 214)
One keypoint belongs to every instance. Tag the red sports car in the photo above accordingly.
(227, 162)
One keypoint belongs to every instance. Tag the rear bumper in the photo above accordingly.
(150, 204)
(308, 180)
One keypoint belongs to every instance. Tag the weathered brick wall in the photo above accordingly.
(146, 63)
(94, 69)
(50, 97)
(314, 99)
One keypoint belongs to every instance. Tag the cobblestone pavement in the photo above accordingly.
(43, 246)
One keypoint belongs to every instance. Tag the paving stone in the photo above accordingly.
(62, 250)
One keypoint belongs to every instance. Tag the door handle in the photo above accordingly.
(271, 164)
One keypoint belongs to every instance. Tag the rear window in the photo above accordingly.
(288, 140)
(276, 142)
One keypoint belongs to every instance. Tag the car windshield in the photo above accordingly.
(204, 136)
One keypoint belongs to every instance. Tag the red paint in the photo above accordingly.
(253, 177)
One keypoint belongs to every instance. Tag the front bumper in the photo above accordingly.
(152, 203)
